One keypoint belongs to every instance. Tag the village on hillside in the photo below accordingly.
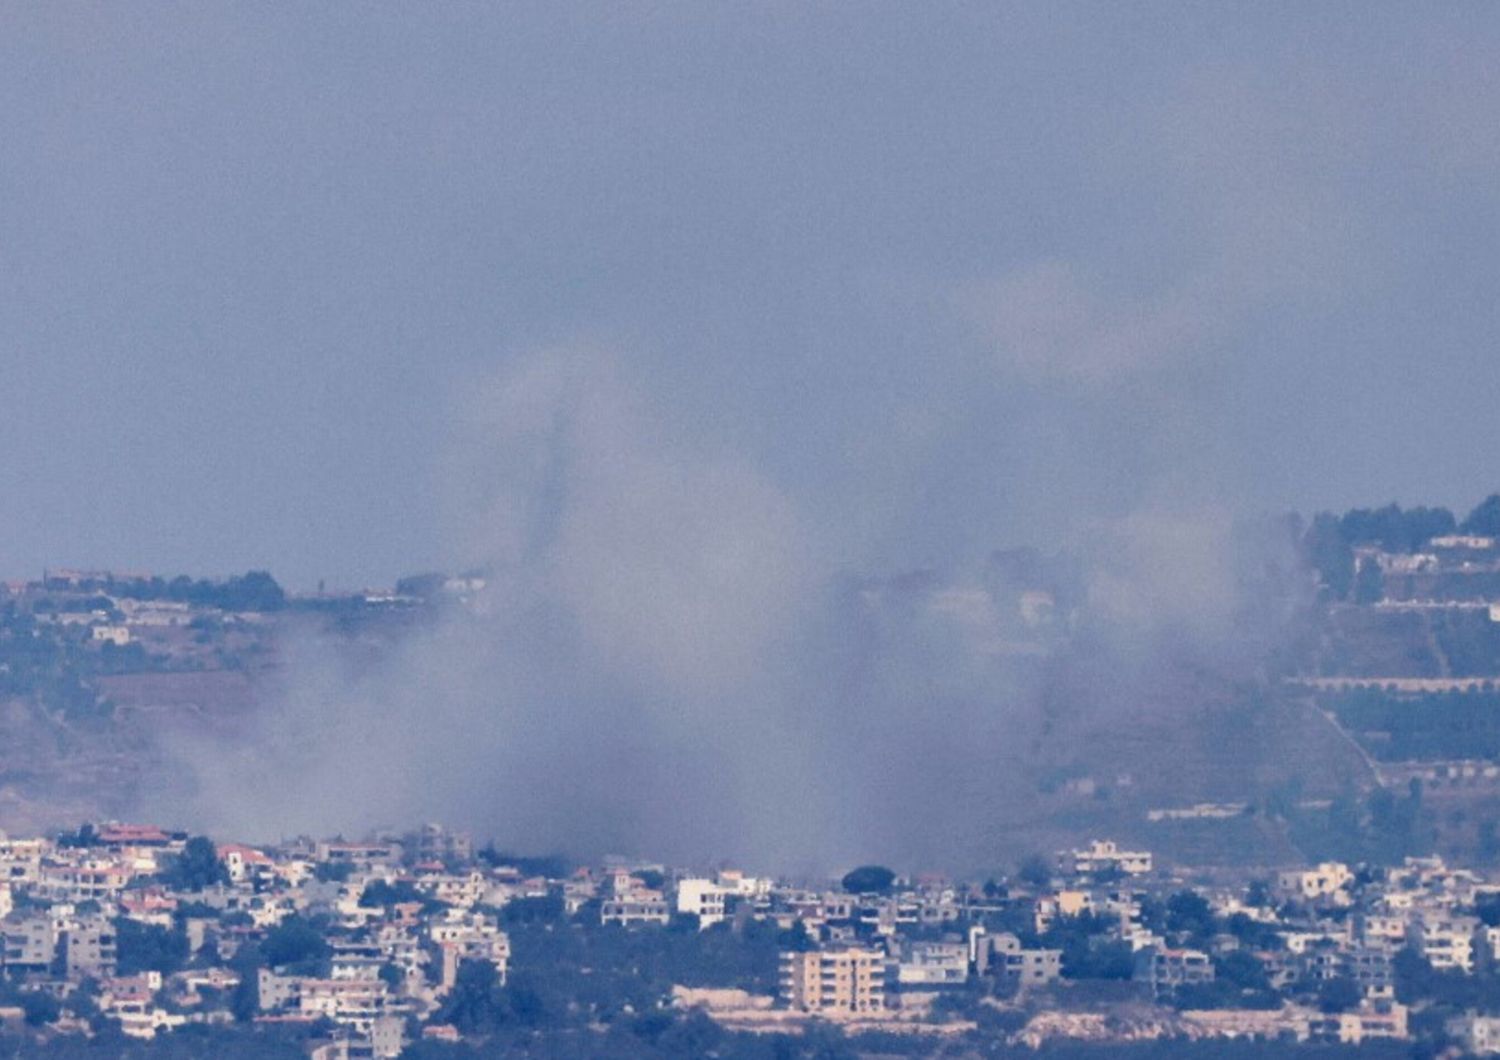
(395, 944)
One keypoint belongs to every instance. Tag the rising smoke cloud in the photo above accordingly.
(667, 661)
(697, 643)
(617, 681)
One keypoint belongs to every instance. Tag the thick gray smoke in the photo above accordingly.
(768, 624)
(886, 288)
(668, 658)
(624, 678)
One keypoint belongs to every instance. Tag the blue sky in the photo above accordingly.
(927, 279)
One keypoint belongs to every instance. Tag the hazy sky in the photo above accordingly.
(945, 275)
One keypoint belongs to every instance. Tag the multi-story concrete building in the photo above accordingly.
(837, 980)
(1167, 969)
(30, 943)
(91, 948)
(1381, 931)
(933, 964)
(21, 860)
(1445, 940)
(631, 910)
(1374, 1020)
(1011, 961)
(90, 880)
(704, 899)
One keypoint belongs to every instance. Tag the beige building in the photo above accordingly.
(1446, 940)
(1062, 904)
(846, 980)
(1480, 1035)
(1329, 880)
(1374, 1020)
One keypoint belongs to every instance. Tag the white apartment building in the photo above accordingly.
(933, 964)
(1104, 855)
(702, 898)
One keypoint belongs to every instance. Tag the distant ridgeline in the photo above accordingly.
(253, 591)
(1360, 720)
(65, 638)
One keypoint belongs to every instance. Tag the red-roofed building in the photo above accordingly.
(133, 835)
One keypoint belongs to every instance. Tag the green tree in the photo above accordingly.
(1369, 583)
(546, 909)
(86, 836)
(1338, 995)
(1035, 871)
(294, 941)
(40, 1008)
(147, 947)
(244, 1002)
(197, 867)
(796, 938)
(1242, 970)
(1328, 552)
(1095, 958)
(1252, 933)
(332, 871)
(869, 879)
(378, 893)
(1393, 529)
(477, 1002)
(1188, 913)
(1485, 518)
(254, 591)
(84, 1001)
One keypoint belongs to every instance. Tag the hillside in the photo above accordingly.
(1346, 703)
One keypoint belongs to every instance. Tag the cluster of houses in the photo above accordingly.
(1453, 572)
(403, 915)
(888, 956)
(86, 603)
(72, 909)
(1459, 553)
